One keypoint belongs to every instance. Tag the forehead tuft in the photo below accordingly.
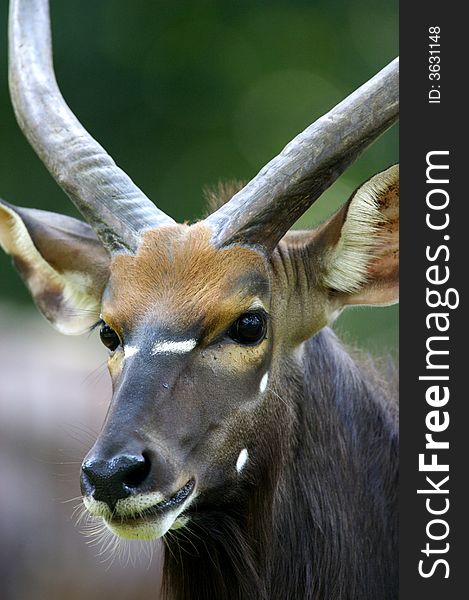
(181, 277)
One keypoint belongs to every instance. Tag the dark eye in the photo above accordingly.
(109, 337)
(249, 329)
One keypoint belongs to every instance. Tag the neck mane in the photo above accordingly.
(300, 529)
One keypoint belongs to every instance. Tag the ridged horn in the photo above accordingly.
(264, 210)
(107, 198)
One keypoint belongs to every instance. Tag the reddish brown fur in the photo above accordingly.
(178, 270)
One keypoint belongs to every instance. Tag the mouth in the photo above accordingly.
(133, 518)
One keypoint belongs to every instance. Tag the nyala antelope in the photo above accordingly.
(238, 422)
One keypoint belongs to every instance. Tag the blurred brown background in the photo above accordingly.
(182, 94)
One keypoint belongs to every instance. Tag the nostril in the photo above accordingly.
(86, 485)
(137, 473)
(111, 479)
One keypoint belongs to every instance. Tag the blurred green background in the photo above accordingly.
(184, 94)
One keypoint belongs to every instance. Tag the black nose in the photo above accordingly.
(115, 478)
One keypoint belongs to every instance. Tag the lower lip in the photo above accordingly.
(153, 519)
(140, 529)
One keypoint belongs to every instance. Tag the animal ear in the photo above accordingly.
(356, 251)
(61, 261)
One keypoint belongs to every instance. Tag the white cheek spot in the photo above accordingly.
(130, 351)
(242, 460)
(263, 384)
(169, 347)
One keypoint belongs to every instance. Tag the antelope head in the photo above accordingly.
(203, 322)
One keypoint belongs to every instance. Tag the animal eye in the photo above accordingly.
(248, 329)
(109, 337)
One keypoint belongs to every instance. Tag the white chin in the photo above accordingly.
(145, 529)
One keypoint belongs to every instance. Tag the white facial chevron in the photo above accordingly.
(130, 351)
(170, 347)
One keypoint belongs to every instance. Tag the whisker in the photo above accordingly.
(168, 545)
(75, 430)
(278, 396)
(69, 500)
(182, 534)
(95, 376)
